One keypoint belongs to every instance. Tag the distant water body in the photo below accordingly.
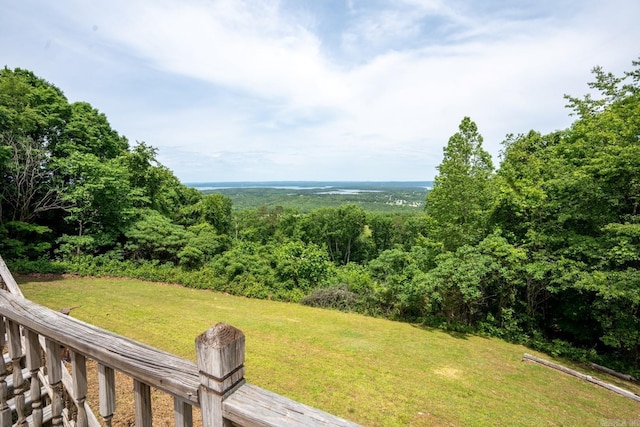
(331, 186)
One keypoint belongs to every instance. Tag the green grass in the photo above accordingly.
(371, 371)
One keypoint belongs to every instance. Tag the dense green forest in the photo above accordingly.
(542, 250)
(306, 196)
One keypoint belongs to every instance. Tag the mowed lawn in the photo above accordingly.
(372, 371)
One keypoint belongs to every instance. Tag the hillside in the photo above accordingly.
(542, 248)
(372, 371)
(305, 196)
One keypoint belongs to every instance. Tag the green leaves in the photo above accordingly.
(29, 187)
(338, 229)
(154, 236)
(571, 199)
(477, 280)
(401, 285)
(20, 239)
(616, 307)
(64, 166)
(463, 193)
(88, 131)
(620, 247)
(31, 107)
(303, 266)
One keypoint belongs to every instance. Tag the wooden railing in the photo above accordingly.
(36, 388)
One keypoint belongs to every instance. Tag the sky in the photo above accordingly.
(326, 90)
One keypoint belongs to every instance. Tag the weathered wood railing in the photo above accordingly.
(44, 393)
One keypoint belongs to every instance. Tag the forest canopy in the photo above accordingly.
(543, 250)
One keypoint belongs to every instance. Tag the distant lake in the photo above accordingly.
(331, 187)
(304, 196)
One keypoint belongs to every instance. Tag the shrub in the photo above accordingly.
(41, 266)
(336, 297)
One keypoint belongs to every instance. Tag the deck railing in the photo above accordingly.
(37, 389)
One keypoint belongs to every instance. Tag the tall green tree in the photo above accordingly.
(264, 224)
(29, 186)
(477, 283)
(462, 194)
(302, 266)
(156, 186)
(99, 202)
(213, 209)
(339, 230)
(570, 199)
(521, 209)
(88, 131)
(67, 175)
(154, 237)
(602, 153)
(400, 283)
(32, 108)
(33, 114)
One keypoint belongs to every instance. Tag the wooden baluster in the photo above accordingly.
(5, 411)
(220, 354)
(15, 352)
(183, 413)
(34, 362)
(54, 372)
(142, 399)
(79, 392)
(107, 386)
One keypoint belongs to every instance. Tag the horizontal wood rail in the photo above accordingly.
(34, 394)
(164, 371)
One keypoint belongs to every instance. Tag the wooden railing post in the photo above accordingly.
(183, 413)
(34, 362)
(107, 393)
(142, 403)
(79, 391)
(5, 411)
(220, 355)
(15, 352)
(54, 374)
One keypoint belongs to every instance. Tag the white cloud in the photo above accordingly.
(254, 89)
(248, 46)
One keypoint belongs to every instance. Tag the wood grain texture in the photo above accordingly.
(183, 413)
(220, 351)
(106, 392)
(616, 374)
(142, 401)
(220, 355)
(9, 281)
(256, 407)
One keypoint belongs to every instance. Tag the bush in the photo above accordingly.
(191, 257)
(336, 297)
(41, 266)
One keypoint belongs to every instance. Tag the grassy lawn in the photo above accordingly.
(371, 371)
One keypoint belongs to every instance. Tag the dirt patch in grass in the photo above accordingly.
(448, 372)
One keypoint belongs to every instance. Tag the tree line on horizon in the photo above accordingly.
(542, 250)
